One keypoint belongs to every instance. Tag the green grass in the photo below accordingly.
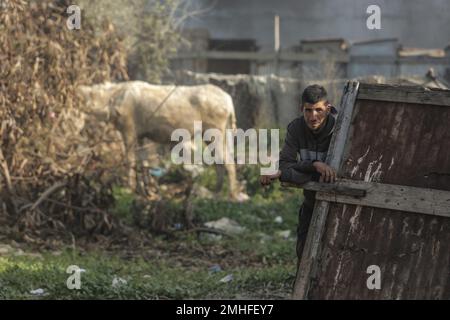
(262, 263)
(123, 200)
(145, 279)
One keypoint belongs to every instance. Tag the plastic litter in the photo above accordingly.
(227, 278)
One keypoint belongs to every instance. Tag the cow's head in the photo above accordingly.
(96, 99)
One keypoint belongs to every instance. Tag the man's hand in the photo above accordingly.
(327, 173)
(267, 180)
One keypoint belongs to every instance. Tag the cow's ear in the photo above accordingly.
(112, 110)
(115, 111)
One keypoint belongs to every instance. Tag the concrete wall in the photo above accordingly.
(416, 23)
(263, 101)
(372, 69)
(413, 69)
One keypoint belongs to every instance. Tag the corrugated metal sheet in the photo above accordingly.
(393, 143)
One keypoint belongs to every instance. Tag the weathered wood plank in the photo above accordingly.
(407, 94)
(395, 197)
(379, 195)
(338, 188)
(308, 263)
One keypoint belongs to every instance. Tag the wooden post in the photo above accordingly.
(311, 252)
(277, 44)
(276, 62)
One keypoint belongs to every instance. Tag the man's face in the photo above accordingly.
(315, 114)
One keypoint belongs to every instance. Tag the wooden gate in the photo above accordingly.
(391, 209)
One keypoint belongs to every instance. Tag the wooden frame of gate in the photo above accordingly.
(382, 212)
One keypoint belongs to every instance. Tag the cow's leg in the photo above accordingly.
(146, 182)
(232, 181)
(132, 171)
(227, 165)
(141, 182)
(130, 155)
(220, 168)
(220, 172)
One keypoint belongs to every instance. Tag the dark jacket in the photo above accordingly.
(301, 141)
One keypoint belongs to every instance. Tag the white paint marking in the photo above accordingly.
(358, 162)
(392, 163)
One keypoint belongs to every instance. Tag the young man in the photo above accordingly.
(309, 136)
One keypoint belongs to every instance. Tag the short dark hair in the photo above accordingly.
(313, 94)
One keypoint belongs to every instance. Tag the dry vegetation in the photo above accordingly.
(51, 180)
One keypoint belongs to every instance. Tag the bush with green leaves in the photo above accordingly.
(151, 30)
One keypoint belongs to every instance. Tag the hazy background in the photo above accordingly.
(415, 22)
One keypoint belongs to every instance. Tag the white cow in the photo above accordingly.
(141, 110)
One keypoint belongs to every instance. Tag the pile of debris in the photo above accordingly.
(53, 178)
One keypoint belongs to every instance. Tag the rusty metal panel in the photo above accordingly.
(393, 143)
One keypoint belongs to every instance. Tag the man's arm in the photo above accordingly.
(292, 170)
(298, 172)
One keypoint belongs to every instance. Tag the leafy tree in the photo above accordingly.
(151, 30)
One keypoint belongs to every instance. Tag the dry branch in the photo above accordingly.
(43, 150)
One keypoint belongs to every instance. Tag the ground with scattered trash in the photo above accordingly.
(251, 256)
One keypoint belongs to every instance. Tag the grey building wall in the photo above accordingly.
(385, 66)
(418, 23)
